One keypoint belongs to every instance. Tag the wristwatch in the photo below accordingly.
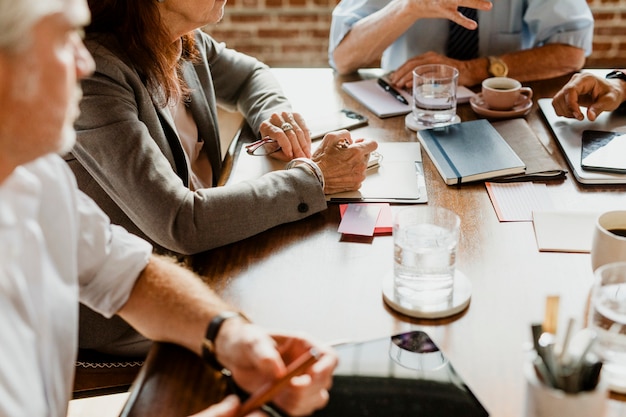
(497, 67)
(616, 75)
(208, 344)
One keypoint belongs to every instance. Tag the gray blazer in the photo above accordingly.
(129, 159)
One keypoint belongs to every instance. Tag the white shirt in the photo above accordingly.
(56, 245)
(511, 25)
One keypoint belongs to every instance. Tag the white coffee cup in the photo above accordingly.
(502, 93)
(607, 244)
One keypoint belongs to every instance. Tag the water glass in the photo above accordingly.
(607, 317)
(425, 243)
(434, 94)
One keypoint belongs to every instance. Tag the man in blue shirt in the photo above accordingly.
(523, 39)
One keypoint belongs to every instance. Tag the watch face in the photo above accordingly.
(498, 70)
(497, 67)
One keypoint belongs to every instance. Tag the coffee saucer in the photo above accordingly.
(461, 295)
(521, 108)
(412, 124)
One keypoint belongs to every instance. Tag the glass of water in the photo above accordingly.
(434, 94)
(607, 317)
(425, 242)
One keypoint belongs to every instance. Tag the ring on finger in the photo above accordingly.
(286, 127)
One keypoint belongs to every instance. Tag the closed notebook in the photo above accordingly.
(470, 151)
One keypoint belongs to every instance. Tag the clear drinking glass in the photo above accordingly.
(425, 243)
(434, 94)
(607, 317)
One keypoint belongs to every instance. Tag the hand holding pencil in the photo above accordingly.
(292, 372)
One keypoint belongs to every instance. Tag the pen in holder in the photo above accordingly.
(562, 375)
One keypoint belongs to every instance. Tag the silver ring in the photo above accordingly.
(286, 127)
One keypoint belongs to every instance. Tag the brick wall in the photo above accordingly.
(294, 33)
(609, 39)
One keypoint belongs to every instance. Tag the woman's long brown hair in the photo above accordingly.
(137, 25)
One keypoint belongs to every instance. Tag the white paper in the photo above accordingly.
(564, 230)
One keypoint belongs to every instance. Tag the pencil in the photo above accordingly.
(551, 314)
(270, 389)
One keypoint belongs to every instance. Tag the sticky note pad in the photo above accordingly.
(359, 219)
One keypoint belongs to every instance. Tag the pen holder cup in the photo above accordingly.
(545, 401)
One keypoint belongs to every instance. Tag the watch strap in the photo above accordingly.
(208, 344)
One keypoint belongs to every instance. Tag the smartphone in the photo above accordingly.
(321, 124)
(603, 151)
(401, 375)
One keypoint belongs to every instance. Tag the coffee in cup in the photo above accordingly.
(609, 239)
(502, 93)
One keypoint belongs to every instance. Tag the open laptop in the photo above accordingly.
(568, 134)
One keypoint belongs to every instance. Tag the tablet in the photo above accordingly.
(401, 375)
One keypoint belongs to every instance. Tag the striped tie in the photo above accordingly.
(463, 43)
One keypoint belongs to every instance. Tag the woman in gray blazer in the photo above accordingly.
(148, 149)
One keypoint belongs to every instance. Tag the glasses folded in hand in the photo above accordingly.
(262, 147)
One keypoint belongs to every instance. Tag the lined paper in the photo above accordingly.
(515, 202)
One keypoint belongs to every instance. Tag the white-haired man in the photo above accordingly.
(57, 247)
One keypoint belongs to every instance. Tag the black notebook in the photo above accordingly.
(470, 151)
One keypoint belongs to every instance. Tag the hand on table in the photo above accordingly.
(585, 89)
(403, 76)
(343, 161)
(290, 131)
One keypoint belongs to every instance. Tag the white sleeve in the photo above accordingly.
(109, 259)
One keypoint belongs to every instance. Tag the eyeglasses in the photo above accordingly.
(262, 147)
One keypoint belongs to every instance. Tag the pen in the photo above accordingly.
(269, 390)
(395, 93)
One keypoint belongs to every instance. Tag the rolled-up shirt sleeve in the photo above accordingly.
(344, 16)
(109, 259)
(560, 21)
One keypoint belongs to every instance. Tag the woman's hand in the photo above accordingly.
(291, 133)
(255, 357)
(343, 161)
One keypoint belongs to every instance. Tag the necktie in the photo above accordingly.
(463, 43)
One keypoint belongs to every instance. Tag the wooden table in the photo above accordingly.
(303, 277)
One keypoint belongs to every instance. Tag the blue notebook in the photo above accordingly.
(470, 151)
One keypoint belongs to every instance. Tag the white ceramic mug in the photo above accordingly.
(609, 239)
(502, 93)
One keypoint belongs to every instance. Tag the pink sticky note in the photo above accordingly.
(359, 219)
(384, 224)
